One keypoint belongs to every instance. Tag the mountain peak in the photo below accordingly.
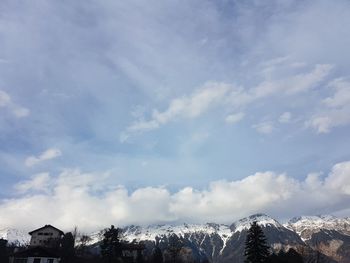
(263, 220)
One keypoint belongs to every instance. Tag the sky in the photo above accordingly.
(151, 112)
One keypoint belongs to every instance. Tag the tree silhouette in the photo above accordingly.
(67, 247)
(82, 248)
(256, 249)
(157, 255)
(3, 250)
(286, 257)
(174, 248)
(111, 248)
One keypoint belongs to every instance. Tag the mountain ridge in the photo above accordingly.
(223, 243)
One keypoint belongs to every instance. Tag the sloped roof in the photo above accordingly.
(61, 232)
(36, 252)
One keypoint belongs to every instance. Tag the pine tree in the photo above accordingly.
(111, 246)
(256, 249)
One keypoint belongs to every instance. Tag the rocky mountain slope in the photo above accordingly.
(327, 234)
(218, 243)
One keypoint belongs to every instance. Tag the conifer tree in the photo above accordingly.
(67, 247)
(111, 246)
(256, 249)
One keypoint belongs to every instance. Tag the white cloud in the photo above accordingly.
(341, 96)
(214, 93)
(285, 86)
(198, 103)
(6, 102)
(20, 112)
(336, 111)
(294, 84)
(285, 117)
(234, 118)
(4, 99)
(37, 182)
(47, 155)
(265, 127)
(321, 124)
(339, 178)
(92, 202)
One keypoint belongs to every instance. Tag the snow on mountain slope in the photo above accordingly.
(151, 232)
(262, 220)
(224, 231)
(305, 226)
(15, 236)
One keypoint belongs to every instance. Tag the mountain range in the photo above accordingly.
(326, 238)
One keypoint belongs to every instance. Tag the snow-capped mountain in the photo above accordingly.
(327, 234)
(219, 243)
(278, 237)
(305, 226)
(203, 239)
(152, 232)
(262, 219)
(15, 236)
(215, 242)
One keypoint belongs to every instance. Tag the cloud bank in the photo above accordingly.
(92, 202)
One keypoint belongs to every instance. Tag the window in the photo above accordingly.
(50, 260)
(36, 260)
(20, 260)
(40, 234)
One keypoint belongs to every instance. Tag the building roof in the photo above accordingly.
(61, 232)
(36, 252)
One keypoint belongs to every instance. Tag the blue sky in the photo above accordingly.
(186, 102)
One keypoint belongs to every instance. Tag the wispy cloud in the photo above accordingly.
(285, 117)
(185, 107)
(213, 93)
(17, 110)
(46, 155)
(286, 86)
(336, 108)
(234, 118)
(38, 182)
(265, 127)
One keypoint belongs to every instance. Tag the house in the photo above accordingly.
(46, 236)
(43, 248)
(35, 255)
